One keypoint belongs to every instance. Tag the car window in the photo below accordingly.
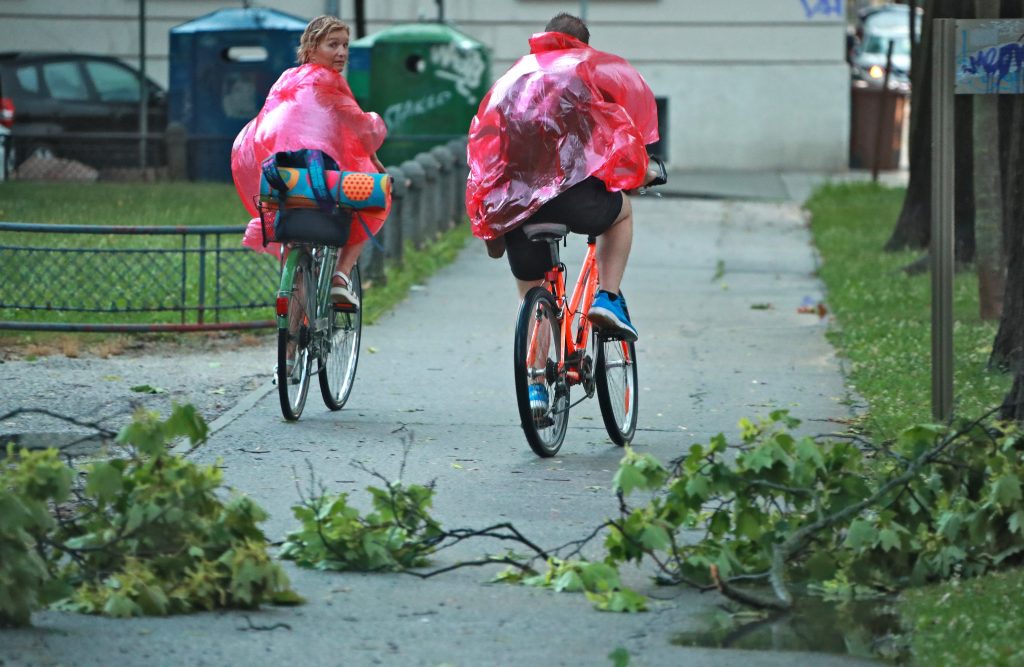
(879, 44)
(28, 79)
(65, 81)
(113, 83)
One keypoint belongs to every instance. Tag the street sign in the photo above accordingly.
(970, 57)
(989, 57)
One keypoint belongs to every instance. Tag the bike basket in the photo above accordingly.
(305, 225)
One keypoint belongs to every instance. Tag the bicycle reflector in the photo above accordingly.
(281, 306)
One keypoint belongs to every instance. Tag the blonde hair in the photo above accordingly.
(315, 33)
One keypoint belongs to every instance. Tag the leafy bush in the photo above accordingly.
(28, 482)
(939, 502)
(146, 534)
(398, 534)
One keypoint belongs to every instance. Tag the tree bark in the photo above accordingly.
(988, 193)
(1008, 347)
(913, 227)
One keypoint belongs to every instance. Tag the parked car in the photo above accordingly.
(877, 27)
(73, 105)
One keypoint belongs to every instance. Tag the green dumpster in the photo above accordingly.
(425, 79)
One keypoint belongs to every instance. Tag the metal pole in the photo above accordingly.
(883, 96)
(943, 212)
(583, 10)
(143, 88)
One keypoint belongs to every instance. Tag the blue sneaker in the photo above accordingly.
(538, 400)
(608, 315)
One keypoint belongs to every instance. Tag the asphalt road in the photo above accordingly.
(714, 288)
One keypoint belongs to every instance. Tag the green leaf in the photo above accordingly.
(104, 481)
(619, 657)
(623, 600)
(809, 451)
(147, 389)
(655, 538)
(1006, 490)
(1017, 522)
(569, 582)
(748, 524)
(889, 539)
(861, 534)
(627, 478)
(697, 486)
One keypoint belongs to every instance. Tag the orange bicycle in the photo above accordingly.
(557, 346)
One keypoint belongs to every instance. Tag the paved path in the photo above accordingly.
(714, 288)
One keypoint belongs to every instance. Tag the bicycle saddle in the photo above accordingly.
(545, 231)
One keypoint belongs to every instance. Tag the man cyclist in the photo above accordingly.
(561, 137)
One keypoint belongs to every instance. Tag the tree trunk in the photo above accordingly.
(988, 193)
(1008, 347)
(913, 228)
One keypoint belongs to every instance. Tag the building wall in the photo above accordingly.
(750, 84)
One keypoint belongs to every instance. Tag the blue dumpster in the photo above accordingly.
(222, 66)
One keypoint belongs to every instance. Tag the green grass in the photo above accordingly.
(884, 322)
(884, 315)
(158, 204)
(964, 623)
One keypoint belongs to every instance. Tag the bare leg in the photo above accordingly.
(613, 248)
(348, 256)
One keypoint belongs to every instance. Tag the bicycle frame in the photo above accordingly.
(572, 309)
(322, 256)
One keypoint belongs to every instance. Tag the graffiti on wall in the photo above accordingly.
(397, 114)
(815, 8)
(463, 67)
(990, 57)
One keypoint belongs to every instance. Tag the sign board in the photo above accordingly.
(970, 57)
(989, 57)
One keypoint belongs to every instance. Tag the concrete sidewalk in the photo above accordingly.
(792, 186)
(714, 288)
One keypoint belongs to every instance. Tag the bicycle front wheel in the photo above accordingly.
(541, 390)
(616, 388)
(341, 352)
(294, 360)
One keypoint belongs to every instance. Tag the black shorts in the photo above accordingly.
(585, 208)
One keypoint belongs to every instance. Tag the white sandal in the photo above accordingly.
(343, 293)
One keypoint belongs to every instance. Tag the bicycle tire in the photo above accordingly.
(341, 349)
(294, 360)
(538, 315)
(616, 376)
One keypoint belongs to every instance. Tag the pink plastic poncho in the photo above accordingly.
(563, 113)
(310, 106)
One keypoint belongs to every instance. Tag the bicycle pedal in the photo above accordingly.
(544, 422)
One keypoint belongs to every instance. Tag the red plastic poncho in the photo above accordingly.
(563, 113)
(310, 106)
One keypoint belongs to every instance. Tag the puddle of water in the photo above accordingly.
(73, 444)
(863, 628)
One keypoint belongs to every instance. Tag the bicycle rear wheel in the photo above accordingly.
(341, 351)
(537, 358)
(293, 340)
(616, 388)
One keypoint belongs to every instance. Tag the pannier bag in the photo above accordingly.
(304, 197)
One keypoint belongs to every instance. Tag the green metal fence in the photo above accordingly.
(122, 278)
